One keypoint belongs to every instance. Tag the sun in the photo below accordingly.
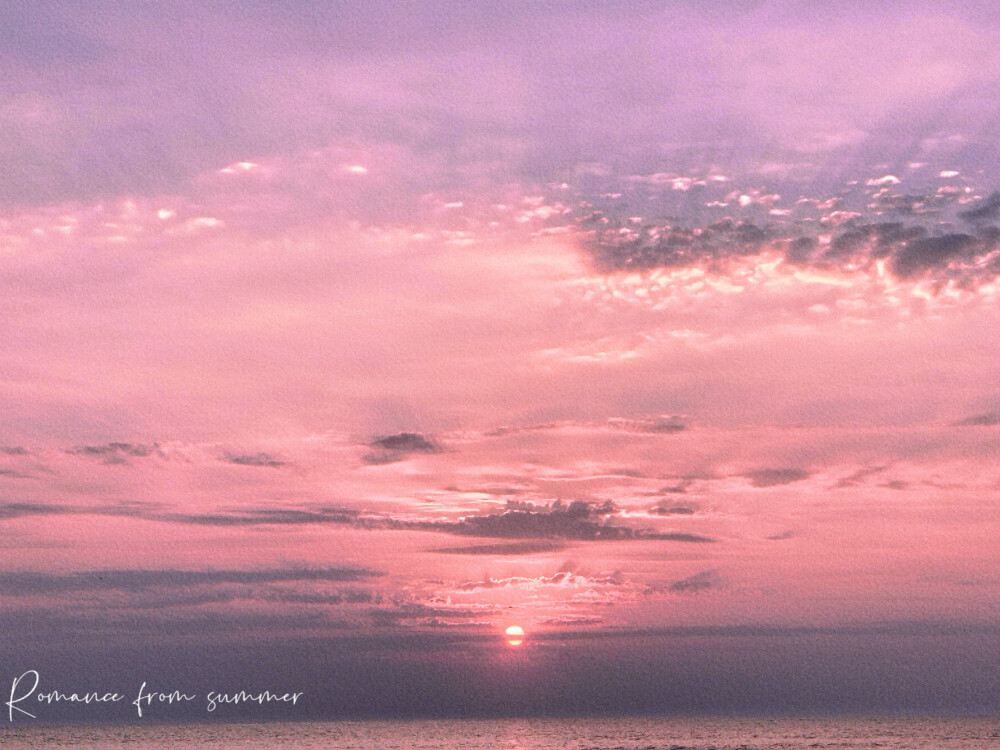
(515, 635)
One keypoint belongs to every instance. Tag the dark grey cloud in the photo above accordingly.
(571, 621)
(922, 255)
(532, 547)
(13, 474)
(910, 230)
(254, 459)
(859, 475)
(13, 450)
(676, 489)
(579, 520)
(20, 510)
(775, 477)
(668, 509)
(576, 520)
(261, 516)
(896, 484)
(241, 517)
(616, 246)
(406, 442)
(124, 510)
(115, 453)
(987, 209)
(678, 536)
(397, 447)
(706, 579)
(981, 420)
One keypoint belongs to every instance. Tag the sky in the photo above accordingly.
(338, 337)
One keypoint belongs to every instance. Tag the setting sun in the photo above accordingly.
(515, 635)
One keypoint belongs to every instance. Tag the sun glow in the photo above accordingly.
(515, 635)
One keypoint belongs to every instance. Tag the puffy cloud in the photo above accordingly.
(857, 248)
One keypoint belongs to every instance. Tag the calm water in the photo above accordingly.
(532, 734)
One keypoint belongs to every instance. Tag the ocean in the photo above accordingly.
(529, 734)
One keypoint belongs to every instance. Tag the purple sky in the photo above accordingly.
(338, 337)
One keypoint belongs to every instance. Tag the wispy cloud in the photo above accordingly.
(254, 459)
(776, 477)
(29, 583)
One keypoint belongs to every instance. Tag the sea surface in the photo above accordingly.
(529, 734)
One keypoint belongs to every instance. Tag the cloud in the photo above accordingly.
(21, 510)
(399, 446)
(570, 621)
(668, 509)
(706, 579)
(577, 520)
(775, 477)
(922, 255)
(859, 475)
(779, 537)
(662, 424)
(26, 583)
(677, 536)
(987, 209)
(263, 516)
(562, 578)
(254, 459)
(114, 452)
(981, 420)
(533, 547)
(616, 245)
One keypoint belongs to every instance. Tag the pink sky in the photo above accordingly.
(609, 325)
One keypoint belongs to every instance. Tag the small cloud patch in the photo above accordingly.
(775, 477)
(397, 447)
(254, 459)
(706, 579)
